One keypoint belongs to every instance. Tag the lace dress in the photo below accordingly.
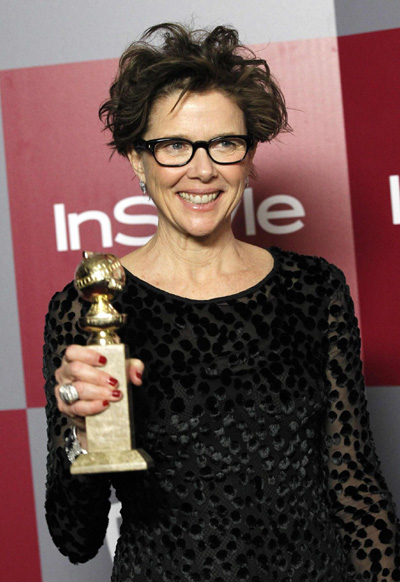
(253, 409)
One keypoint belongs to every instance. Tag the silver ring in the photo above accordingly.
(68, 393)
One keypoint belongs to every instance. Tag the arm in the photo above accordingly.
(76, 506)
(361, 504)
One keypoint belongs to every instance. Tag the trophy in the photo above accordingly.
(110, 434)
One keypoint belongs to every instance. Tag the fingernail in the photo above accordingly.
(116, 393)
(113, 381)
(102, 360)
(105, 403)
(139, 375)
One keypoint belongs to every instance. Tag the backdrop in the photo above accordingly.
(331, 188)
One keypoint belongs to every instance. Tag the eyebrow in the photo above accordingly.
(177, 136)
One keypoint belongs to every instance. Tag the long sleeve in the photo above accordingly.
(76, 506)
(361, 504)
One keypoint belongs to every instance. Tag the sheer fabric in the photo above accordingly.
(253, 409)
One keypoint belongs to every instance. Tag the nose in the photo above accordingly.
(201, 166)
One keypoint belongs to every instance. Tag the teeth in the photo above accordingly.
(197, 198)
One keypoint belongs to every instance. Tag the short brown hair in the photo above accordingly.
(191, 61)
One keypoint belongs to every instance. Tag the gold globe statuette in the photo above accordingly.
(111, 442)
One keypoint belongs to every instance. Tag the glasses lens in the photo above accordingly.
(228, 149)
(174, 152)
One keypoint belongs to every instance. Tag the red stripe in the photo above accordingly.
(19, 550)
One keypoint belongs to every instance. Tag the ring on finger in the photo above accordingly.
(68, 393)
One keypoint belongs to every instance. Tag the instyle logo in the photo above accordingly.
(67, 225)
(267, 216)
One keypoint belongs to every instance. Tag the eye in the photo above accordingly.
(228, 144)
(173, 147)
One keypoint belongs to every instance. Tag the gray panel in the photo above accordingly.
(46, 32)
(384, 407)
(356, 16)
(55, 566)
(12, 390)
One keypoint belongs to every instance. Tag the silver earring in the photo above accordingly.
(246, 184)
(143, 186)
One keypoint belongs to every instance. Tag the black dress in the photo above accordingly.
(253, 409)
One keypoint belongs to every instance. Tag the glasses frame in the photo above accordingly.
(150, 145)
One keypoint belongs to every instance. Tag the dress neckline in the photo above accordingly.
(220, 299)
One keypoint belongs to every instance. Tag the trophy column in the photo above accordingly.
(110, 434)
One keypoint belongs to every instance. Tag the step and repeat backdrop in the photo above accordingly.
(331, 188)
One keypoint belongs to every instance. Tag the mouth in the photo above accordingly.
(199, 198)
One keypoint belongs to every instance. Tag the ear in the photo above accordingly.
(135, 159)
(252, 153)
(250, 157)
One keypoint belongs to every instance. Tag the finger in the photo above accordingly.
(89, 392)
(84, 408)
(84, 354)
(78, 371)
(136, 369)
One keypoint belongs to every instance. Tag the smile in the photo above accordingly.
(199, 199)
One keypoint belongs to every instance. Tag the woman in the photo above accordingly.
(252, 401)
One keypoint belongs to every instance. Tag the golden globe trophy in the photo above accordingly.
(110, 434)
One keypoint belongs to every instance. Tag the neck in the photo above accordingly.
(191, 256)
(199, 268)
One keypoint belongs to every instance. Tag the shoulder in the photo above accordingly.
(62, 320)
(309, 271)
(64, 300)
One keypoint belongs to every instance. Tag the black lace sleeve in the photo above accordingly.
(361, 504)
(76, 506)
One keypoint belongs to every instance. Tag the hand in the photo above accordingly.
(81, 367)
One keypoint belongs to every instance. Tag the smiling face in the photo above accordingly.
(196, 199)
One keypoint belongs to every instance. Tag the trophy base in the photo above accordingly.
(111, 462)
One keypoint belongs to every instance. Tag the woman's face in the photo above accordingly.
(198, 116)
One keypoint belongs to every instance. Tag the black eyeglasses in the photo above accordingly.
(173, 152)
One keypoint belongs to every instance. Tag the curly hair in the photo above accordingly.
(191, 61)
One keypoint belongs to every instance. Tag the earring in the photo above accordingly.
(246, 184)
(143, 186)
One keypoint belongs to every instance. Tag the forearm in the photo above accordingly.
(361, 504)
(369, 528)
(76, 509)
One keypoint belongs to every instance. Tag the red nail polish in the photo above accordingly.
(102, 360)
(113, 381)
(116, 393)
(105, 403)
(139, 375)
